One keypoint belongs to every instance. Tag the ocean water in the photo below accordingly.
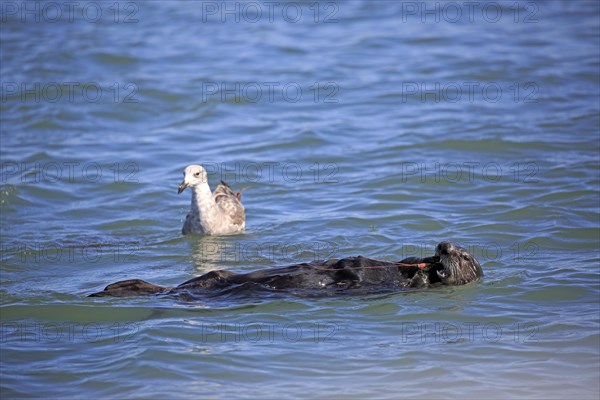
(377, 128)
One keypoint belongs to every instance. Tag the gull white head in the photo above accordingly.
(193, 175)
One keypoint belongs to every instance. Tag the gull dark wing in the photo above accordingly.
(229, 202)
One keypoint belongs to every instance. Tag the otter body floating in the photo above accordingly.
(451, 265)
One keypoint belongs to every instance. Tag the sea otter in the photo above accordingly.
(451, 265)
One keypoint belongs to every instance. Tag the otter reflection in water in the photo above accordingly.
(451, 265)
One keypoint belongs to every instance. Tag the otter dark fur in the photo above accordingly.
(460, 266)
(451, 265)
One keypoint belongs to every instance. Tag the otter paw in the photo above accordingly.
(442, 274)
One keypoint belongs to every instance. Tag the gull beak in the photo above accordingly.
(182, 187)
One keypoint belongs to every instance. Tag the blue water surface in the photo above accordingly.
(377, 128)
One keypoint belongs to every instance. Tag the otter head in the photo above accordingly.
(460, 266)
(193, 175)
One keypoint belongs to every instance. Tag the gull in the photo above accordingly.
(217, 213)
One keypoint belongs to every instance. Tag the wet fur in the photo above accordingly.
(460, 266)
(452, 265)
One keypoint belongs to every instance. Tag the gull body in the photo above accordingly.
(217, 213)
